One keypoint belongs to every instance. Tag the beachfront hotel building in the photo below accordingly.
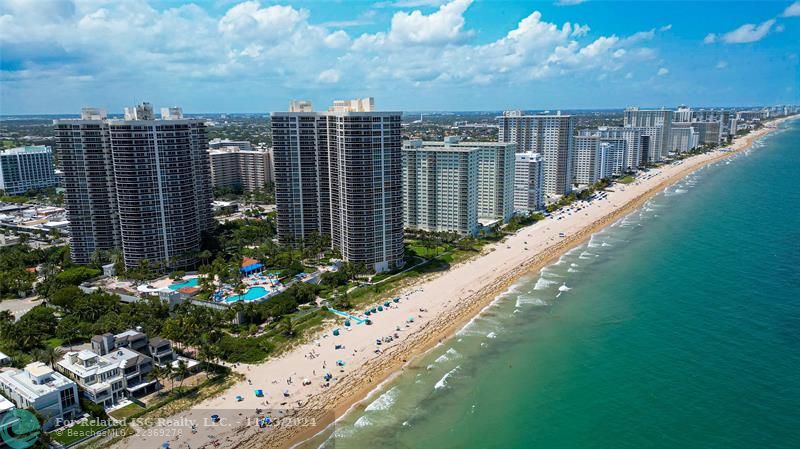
(138, 184)
(549, 135)
(656, 124)
(235, 168)
(636, 145)
(338, 173)
(684, 138)
(26, 168)
(495, 177)
(588, 164)
(528, 182)
(38, 387)
(612, 157)
(440, 188)
(708, 132)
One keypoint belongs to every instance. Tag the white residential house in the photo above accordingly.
(107, 379)
(40, 388)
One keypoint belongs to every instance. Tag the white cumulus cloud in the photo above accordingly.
(748, 33)
(329, 76)
(442, 26)
(792, 10)
(663, 71)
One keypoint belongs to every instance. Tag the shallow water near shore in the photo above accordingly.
(678, 326)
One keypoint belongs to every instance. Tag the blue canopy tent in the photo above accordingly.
(252, 268)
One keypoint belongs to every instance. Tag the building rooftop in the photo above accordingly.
(5, 405)
(30, 149)
(34, 381)
(125, 357)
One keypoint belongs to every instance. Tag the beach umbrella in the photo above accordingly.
(396, 300)
(165, 445)
(347, 322)
(339, 363)
(380, 308)
(386, 304)
(336, 332)
(259, 393)
(368, 322)
(286, 393)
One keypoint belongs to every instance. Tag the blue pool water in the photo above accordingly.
(193, 282)
(250, 295)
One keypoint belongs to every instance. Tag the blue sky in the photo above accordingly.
(57, 56)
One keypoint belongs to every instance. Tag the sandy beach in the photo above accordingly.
(440, 304)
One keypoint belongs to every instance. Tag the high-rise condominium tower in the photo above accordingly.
(139, 184)
(338, 173)
(440, 187)
(655, 123)
(495, 177)
(528, 180)
(548, 135)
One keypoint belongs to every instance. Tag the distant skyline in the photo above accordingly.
(57, 56)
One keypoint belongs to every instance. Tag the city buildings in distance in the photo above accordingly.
(26, 168)
(238, 166)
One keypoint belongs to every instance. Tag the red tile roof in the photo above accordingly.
(247, 261)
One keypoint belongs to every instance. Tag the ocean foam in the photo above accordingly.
(564, 288)
(491, 335)
(384, 401)
(363, 421)
(543, 283)
(443, 381)
(530, 300)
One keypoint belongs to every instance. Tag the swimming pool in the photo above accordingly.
(193, 282)
(250, 295)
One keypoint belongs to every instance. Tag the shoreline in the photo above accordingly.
(455, 297)
(485, 299)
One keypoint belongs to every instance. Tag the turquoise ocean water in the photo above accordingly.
(680, 329)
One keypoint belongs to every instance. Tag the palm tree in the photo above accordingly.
(288, 328)
(155, 373)
(182, 371)
(50, 355)
(169, 372)
(204, 255)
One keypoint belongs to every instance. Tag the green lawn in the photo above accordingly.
(127, 411)
(76, 432)
(626, 179)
